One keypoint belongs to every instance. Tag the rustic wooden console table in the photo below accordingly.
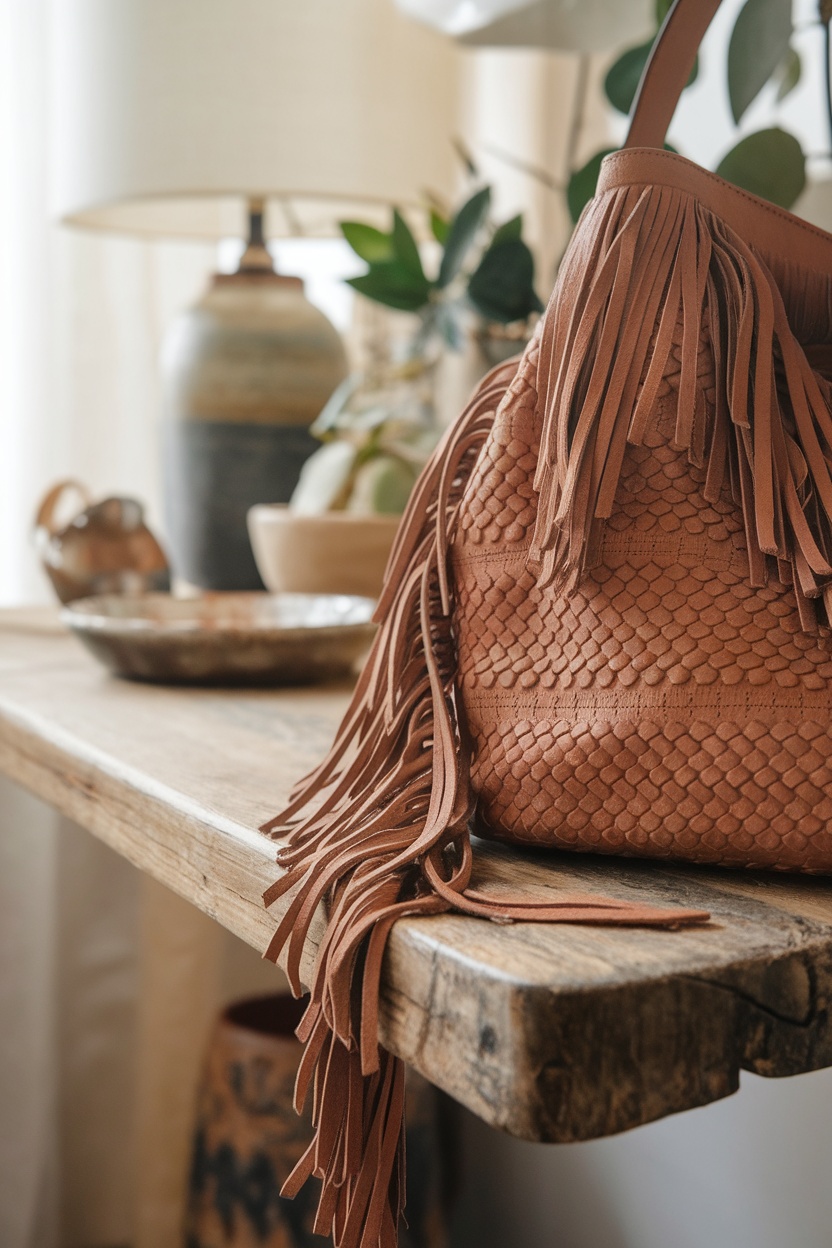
(552, 1033)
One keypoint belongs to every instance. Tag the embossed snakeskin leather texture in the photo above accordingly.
(664, 709)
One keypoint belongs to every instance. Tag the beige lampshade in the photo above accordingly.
(571, 25)
(168, 114)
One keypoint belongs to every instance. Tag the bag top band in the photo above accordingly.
(770, 230)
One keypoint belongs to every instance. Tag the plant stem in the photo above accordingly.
(524, 166)
(576, 125)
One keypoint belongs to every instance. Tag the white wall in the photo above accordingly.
(748, 1172)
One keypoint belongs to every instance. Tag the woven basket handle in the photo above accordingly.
(668, 70)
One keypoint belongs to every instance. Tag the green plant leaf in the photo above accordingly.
(325, 424)
(463, 152)
(394, 285)
(382, 486)
(502, 286)
(624, 75)
(508, 230)
(439, 226)
(663, 7)
(769, 163)
(759, 43)
(464, 228)
(405, 247)
(788, 74)
(325, 478)
(581, 186)
(367, 242)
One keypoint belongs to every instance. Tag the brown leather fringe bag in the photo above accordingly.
(603, 626)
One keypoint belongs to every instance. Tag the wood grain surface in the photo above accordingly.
(551, 1033)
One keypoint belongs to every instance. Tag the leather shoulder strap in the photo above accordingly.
(668, 70)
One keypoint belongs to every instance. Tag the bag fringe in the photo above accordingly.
(379, 832)
(658, 250)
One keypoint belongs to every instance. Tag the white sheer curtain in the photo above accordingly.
(107, 982)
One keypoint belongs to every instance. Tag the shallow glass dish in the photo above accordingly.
(225, 638)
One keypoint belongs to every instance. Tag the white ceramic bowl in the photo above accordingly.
(332, 553)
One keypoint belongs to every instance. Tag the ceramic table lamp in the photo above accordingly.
(257, 118)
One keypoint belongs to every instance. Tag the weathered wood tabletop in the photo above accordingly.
(552, 1033)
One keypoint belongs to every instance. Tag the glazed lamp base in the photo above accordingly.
(245, 371)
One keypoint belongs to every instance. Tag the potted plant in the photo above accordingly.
(380, 426)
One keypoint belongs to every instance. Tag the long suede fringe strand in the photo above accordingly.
(658, 251)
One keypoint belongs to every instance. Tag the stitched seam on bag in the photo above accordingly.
(779, 213)
(720, 699)
(468, 555)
